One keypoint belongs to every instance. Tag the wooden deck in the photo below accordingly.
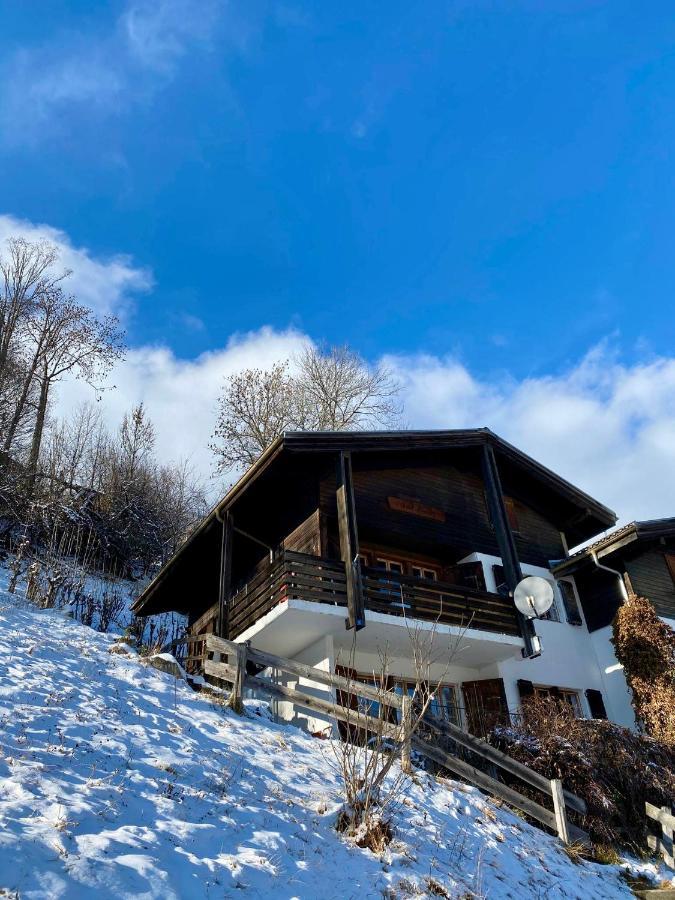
(300, 576)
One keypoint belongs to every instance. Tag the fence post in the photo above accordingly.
(406, 729)
(559, 808)
(237, 694)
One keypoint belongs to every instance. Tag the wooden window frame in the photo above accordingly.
(408, 685)
(548, 690)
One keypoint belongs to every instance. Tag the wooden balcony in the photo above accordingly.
(299, 576)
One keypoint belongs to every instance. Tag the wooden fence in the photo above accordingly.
(662, 843)
(227, 661)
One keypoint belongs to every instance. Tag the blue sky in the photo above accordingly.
(489, 179)
(482, 191)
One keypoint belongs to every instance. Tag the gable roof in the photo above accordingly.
(591, 516)
(647, 530)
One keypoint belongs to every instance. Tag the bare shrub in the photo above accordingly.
(645, 646)
(365, 757)
(111, 603)
(614, 770)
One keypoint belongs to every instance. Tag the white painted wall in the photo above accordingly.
(615, 690)
(321, 655)
(568, 658)
(571, 657)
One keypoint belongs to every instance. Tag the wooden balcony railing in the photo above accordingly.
(291, 575)
(300, 576)
(450, 604)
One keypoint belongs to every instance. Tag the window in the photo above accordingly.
(553, 615)
(563, 695)
(511, 513)
(391, 589)
(443, 705)
(422, 572)
(569, 599)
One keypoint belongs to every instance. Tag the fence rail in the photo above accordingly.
(663, 844)
(227, 661)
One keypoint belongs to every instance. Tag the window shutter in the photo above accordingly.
(511, 513)
(670, 562)
(525, 688)
(570, 603)
(596, 704)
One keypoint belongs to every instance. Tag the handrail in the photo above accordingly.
(388, 698)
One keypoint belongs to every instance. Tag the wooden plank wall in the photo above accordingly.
(306, 538)
(459, 494)
(651, 578)
(600, 597)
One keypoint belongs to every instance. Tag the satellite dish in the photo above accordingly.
(533, 596)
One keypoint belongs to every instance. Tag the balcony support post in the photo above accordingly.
(225, 574)
(349, 541)
(505, 540)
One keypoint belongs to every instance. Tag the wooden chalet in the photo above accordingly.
(331, 535)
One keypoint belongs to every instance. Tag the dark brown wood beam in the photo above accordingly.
(349, 541)
(505, 540)
(225, 574)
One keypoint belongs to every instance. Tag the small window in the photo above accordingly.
(570, 603)
(443, 705)
(562, 695)
(389, 565)
(422, 572)
(553, 615)
(573, 700)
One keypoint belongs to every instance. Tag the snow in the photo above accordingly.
(117, 780)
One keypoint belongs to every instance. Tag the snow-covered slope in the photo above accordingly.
(118, 781)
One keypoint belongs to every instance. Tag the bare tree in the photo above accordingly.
(67, 337)
(324, 389)
(70, 448)
(338, 391)
(26, 276)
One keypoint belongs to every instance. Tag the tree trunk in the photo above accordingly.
(20, 406)
(37, 432)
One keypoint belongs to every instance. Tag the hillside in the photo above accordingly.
(118, 781)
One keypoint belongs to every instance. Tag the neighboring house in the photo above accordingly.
(637, 558)
(337, 548)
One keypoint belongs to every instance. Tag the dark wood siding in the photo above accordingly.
(456, 522)
(650, 577)
(306, 538)
(600, 597)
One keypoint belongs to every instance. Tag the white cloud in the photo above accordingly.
(609, 428)
(180, 395)
(106, 285)
(606, 426)
(157, 33)
(103, 73)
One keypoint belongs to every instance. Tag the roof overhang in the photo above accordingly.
(590, 516)
(649, 530)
